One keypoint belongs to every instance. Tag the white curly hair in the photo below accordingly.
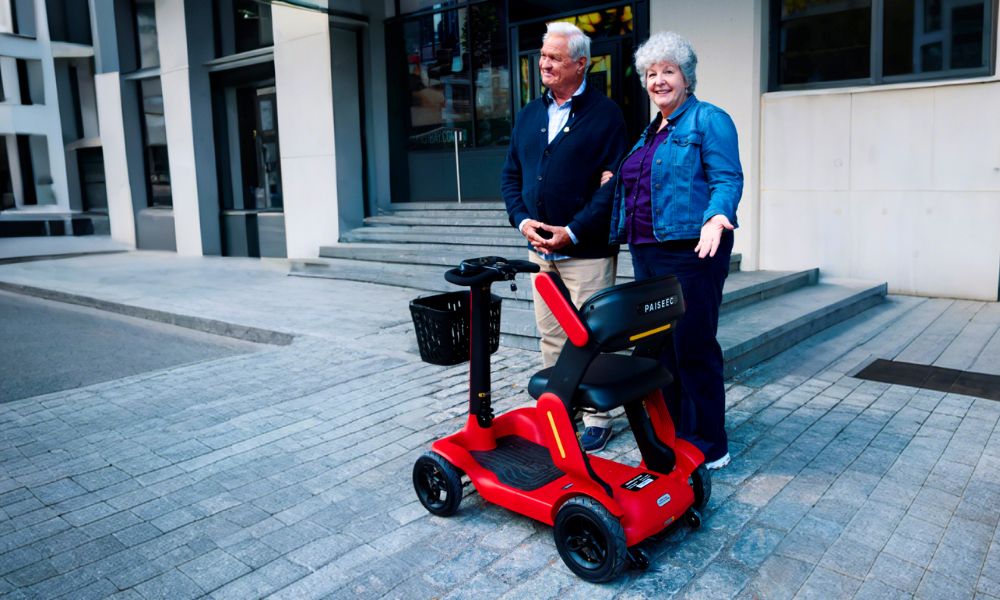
(576, 39)
(667, 46)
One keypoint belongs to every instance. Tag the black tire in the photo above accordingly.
(590, 540)
(701, 483)
(693, 518)
(438, 484)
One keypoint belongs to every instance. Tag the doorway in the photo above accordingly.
(248, 156)
(257, 123)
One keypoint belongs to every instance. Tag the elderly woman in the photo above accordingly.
(675, 205)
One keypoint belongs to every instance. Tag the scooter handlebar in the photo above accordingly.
(474, 271)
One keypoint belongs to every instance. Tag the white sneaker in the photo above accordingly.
(718, 464)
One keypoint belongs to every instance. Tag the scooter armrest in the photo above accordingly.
(553, 291)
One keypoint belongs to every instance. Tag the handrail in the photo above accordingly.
(439, 134)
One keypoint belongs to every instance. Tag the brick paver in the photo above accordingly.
(286, 472)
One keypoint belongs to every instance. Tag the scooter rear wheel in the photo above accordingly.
(438, 484)
(590, 540)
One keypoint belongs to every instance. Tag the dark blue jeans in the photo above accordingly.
(697, 397)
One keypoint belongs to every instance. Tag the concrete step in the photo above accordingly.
(449, 255)
(482, 218)
(763, 312)
(476, 236)
(399, 207)
(741, 288)
(753, 333)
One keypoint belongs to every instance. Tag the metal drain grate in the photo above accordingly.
(952, 381)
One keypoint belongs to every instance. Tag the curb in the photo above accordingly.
(37, 257)
(241, 332)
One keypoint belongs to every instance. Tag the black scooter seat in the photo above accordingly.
(612, 380)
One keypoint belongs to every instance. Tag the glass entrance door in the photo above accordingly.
(265, 187)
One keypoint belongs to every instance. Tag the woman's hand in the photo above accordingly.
(606, 177)
(711, 235)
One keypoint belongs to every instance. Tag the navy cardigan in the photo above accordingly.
(560, 183)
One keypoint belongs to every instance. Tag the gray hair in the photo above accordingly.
(576, 39)
(667, 46)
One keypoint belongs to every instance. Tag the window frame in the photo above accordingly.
(877, 42)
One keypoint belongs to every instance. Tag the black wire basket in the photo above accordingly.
(442, 326)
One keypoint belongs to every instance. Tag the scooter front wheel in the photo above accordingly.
(590, 540)
(438, 484)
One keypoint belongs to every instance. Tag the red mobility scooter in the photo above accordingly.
(529, 459)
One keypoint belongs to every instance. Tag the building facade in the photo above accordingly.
(51, 164)
(239, 127)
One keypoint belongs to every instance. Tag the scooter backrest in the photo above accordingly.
(620, 317)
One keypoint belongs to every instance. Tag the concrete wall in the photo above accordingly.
(188, 110)
(899, 185)
(726, 34)
(304, 86)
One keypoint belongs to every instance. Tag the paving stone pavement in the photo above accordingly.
(286, 472)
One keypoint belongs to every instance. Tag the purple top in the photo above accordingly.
(636, 177)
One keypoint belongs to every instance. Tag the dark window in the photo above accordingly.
(74, 92)
(22, 16)
(241, 26)
(69, 21)
(155, 139)
(145, 34)
(835, 41)
(6, 180)
(23, 81)
(252, 22)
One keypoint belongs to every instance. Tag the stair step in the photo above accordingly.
(763, 312)
(447, 255)
(741, 288)
(479, 236)
(449, 219)
(398, 207)
(756, 332)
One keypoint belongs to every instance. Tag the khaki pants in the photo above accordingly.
(583, 278)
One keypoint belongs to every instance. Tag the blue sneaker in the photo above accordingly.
(595, 439)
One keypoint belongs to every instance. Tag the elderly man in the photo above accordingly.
(551, 183)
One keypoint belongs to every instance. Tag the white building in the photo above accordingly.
(51, 167)
(238, 127)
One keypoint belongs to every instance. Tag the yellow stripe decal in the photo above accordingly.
(555, 432)
(639, 336)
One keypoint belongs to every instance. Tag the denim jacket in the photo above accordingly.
(695, 174)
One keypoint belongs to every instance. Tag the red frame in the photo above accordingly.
(640, 511)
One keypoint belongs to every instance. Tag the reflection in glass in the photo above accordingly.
(609, 22)
(155, 138)
(438, 73)
(145, 32)
(487, 30)
(824, 40)
(927, 39)
(599, 74)
(252, 22)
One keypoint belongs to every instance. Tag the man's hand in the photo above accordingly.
(558, 238)
(711, 235)
(530, 229)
